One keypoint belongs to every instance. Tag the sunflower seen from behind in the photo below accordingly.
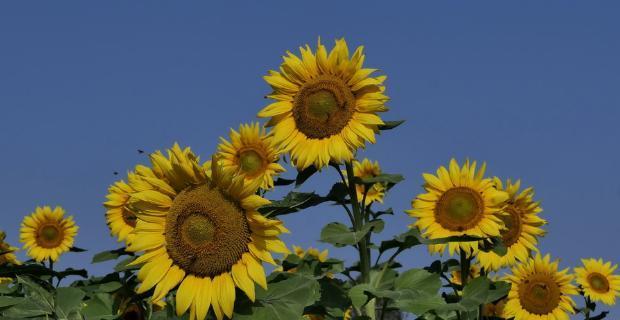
(252, 152)
(522, 227)
(598, 281)
(120, 220)
(540, 291)
(47, 233)
(326, 104)
(458, 201)
(202, 234)
(368, 169)
(7, 256)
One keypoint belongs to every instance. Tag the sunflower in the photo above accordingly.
(203, 234)
(368, 169)
(312, 252)
(598, 280)
(540, 291)
(494, 310)
(47, 234)
(522, 227)
(251, 152)
(459, 201)
(474, 272)
(120, 220)
(326, 104)
(7, 256)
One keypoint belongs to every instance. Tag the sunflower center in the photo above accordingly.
(49, 236)
(539, 294)
(513, 224)
(250, 161)
(206, 233)
(598, 282)
(459, 209)
(323, 107)
(133, 312)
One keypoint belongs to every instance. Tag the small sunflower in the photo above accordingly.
(252, 153)
(540, 291)
(494, 310)
(120, 220)
(312, 252)
(7, 256)
(47, 234)
(203, 234)
(474, 272)
(368, 169)
(598, 280)
(522, 227)
(326, 104)
(458, 201)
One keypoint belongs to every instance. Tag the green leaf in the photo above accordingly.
(475, 293)
(100, 306)
(76, 249)
(389, 125)
(9, 301)
(292, 202)
(358, 294)
(283, 182)
(303, 175)
(110, 286)
(284, 300)
(418, 279)
(383, 178)
(110, 255)
(413, 238)
(338, 193)
(28, 308)
(123, 265)
(37, 270)
(340, 235)
(38, 294)
(68, 301)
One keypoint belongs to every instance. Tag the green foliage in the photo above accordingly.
(340, 235)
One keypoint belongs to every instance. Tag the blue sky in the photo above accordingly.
(530, 87)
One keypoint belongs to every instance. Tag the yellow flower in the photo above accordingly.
(368, 169)
(494, 309)
(7, 256)
(474, 272)
(252, 153)
(522, 227)
(120, 220)
(47, 234)
(598, 280)
(458, 201)
(540, 291)
(326, 104)
(313, 252)
(202, 234)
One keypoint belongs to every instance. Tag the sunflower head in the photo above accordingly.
(368, 169)
(458, 201)
(312, 252)
(539, 290)
(474, 272)
(521, 226)
(251, 152)
(7, 252)
(598, 281)
(46, 233)
(326, 104)
(201, 233)
(494, 310)
(121, 221)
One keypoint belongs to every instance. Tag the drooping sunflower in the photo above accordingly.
(458, 201)
(522, 227)
(598, 280)
(540, 291)
(252, 153)
(368, 169)
(326, 104)
(7, 256)
(47, 234)
(203, 234)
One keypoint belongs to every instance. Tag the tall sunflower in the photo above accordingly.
(252, 153)
(540, 291)
(326, 104)
(203, 234)
(458, 201)
(368, 169)
(7, 255)
(47, 234)
(522, 227)
(598, 280)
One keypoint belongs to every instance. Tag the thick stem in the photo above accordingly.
(358, 224)
(51, 267)
(464, 268)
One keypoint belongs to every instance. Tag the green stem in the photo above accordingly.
(51, 267)
(464, 268)
(359, 219)
(588, 303)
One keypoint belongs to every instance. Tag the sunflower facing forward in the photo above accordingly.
(540, 291)
(47, 234)
(326, 104)
(252, 153)
(598, 280)
(522, 227)
(459, 201)
(203, 234)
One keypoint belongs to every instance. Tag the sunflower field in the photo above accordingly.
(201, 236)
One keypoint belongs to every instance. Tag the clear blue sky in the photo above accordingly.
(531, 87)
